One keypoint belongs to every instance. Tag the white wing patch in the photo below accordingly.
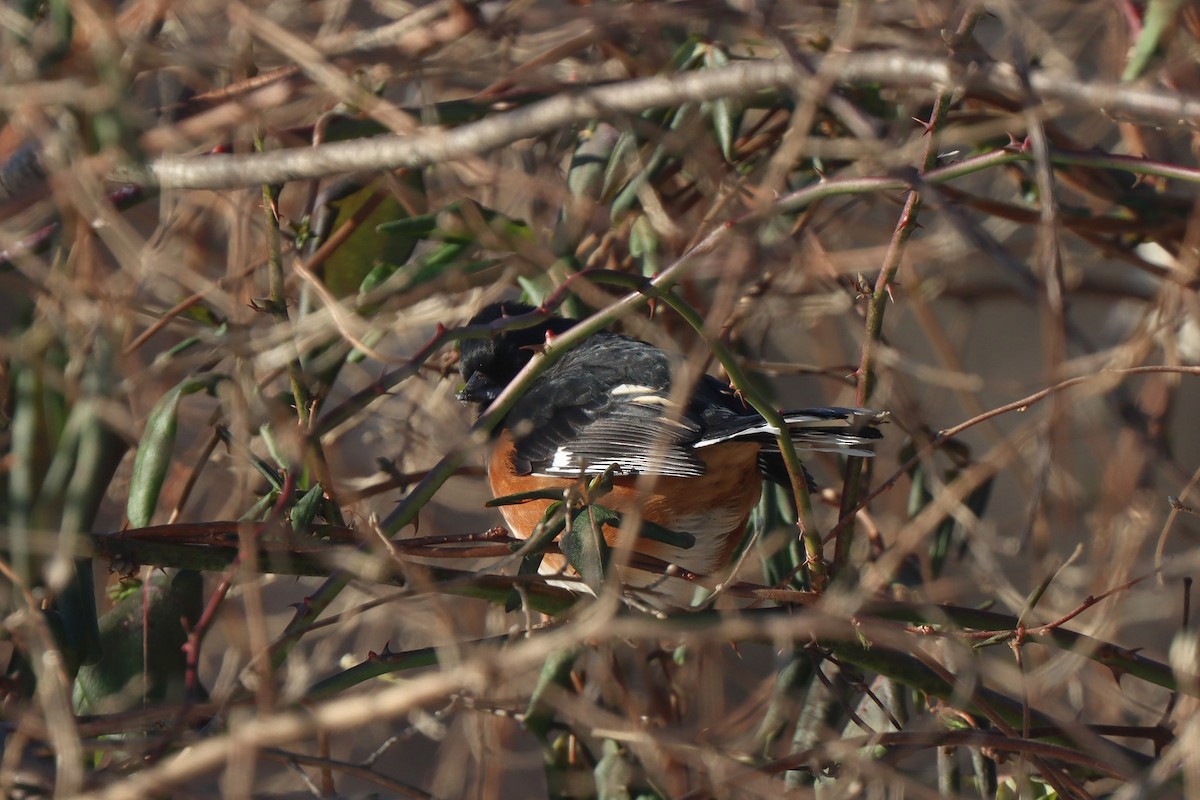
(669, 462)
(642, 395)
(638, 434)
(626, 389)
(563, 461)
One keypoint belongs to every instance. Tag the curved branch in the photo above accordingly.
(436, 145)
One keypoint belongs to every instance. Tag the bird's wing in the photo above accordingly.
(605, 405)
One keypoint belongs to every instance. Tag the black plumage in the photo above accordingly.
(607, 403)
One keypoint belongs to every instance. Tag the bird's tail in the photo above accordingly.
(849, 431)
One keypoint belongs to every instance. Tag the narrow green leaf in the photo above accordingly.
(643, 245)
(420, 227)
(458, 227)
(140, 667)
(584, 546)
(776, 515)
(535, 290)
(716, 56)
(79, 490)
(657, 533)
(723, 126)
(615, 172)
(614, 773)
(269, 473)
(26, 450)
(376, 240)
(522, 497)
(276, 449)
(791, 684)
(391, 278)
(678, 119)
(722, 111)
(156, 448)
(591, 161)
(556, 672)
(984, 768)
(689, 54)
(305, 511)
(1157, 23)
(553, 521)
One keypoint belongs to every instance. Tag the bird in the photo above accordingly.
(606, 407)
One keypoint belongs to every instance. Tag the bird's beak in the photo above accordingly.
(479, 389)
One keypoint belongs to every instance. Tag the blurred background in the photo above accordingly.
(243, 518)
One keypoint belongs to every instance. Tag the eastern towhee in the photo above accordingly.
(606, 405)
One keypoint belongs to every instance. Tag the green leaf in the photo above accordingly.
(722, 111)
(129, 674)
(657, 533)
(679, 119)
(689, 54)
(615, 172)
(522, 497)
(591, 161)
(535, 290)
(1030, 787)
(429, 266)
(777, 518)
(28, 454)
(1157, 24)
(462, 228)
(614, 773)
(584, 546)
(421, 226)
(643, 245)
(305, 511)
(460, 223)
(556, 672)
(949, 536)
(371, 243)
(204, 314)
(792, 681)
(587, 178)
(680, 655)
(861, 635)
(722, 114)
(985, 772)
(553, 521)
(156, 449)
(74, 486)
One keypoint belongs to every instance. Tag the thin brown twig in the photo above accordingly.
(183, 305)
(399, 788)
(1023, 404)
(1087, 603)
(929, 739)
(971, 689)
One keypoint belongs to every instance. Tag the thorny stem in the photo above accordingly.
(1024, 403)
(876, 307)
(277, 302)
(905, 226)
(997, 742)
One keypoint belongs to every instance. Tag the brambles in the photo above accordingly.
(964, 220)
